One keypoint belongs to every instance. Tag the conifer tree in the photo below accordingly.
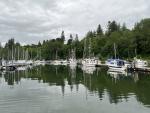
(63, 37)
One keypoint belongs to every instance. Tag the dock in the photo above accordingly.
(145, 69)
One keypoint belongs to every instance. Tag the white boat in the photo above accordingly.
(91, 62)
(139, 63)
(87, 59)
(57, 62)
(30, 62)
(125, 63)
(72, 60)
(64, 62)
(20, 63)
(40, 62)
(116, 64)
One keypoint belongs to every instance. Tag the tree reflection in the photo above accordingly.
(117, 85)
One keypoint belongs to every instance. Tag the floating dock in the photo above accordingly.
(146, 69)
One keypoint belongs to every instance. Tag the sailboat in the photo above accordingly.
(139, 63)
(56, 62)
(72, 56)
(116, 64)
(89, 61)
(72, 60)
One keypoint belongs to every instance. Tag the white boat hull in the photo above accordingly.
(122, 68)
(89, 65)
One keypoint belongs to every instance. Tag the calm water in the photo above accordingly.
(64, 89)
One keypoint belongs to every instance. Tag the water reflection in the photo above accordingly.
(119, 75)
(72, 77)
(135, 77)
(118, 86)
(123, 75)
(88, 70)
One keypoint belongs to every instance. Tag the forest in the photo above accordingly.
(129, 43)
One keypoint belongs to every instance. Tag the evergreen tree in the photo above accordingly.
(10, 43)
(76, 37)
(39, 44)
(63, 37)
(112, 27)
(43, 41)
(69, 42)
(94, 34)
(71, 36)
(89, 34)
(99, 30)
(123, 28)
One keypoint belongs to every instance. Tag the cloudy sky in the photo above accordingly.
(31, 21)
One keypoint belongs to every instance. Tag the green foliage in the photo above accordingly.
(142, 34)
(101, 43)
(99, 30)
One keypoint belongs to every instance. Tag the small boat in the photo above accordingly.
(72, 60)
(139, 63)
(91, 62)
(30, 62)
(57, 62)
(20, 63)
(117, 64)
(64, 62)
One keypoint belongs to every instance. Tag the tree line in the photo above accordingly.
(126, 40)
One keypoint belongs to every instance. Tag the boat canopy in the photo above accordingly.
(119, 60)
(6, 61)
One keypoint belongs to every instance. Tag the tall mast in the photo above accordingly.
(31, 54)
(89, 47)
(56, 55)
(18, 52)
(40, 54)
(115, 50)
(135, 53)
(12, 53)
(84, 51)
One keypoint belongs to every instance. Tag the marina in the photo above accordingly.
(74, 56)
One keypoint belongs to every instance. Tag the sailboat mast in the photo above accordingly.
(84, 51)
(115, 50)
(135, 53)
(56, 55)
(18, 52)
(12, 53)
(89, 47)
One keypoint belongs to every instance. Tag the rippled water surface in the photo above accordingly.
(65, 89)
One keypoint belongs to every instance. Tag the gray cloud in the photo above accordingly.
(31, 21)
